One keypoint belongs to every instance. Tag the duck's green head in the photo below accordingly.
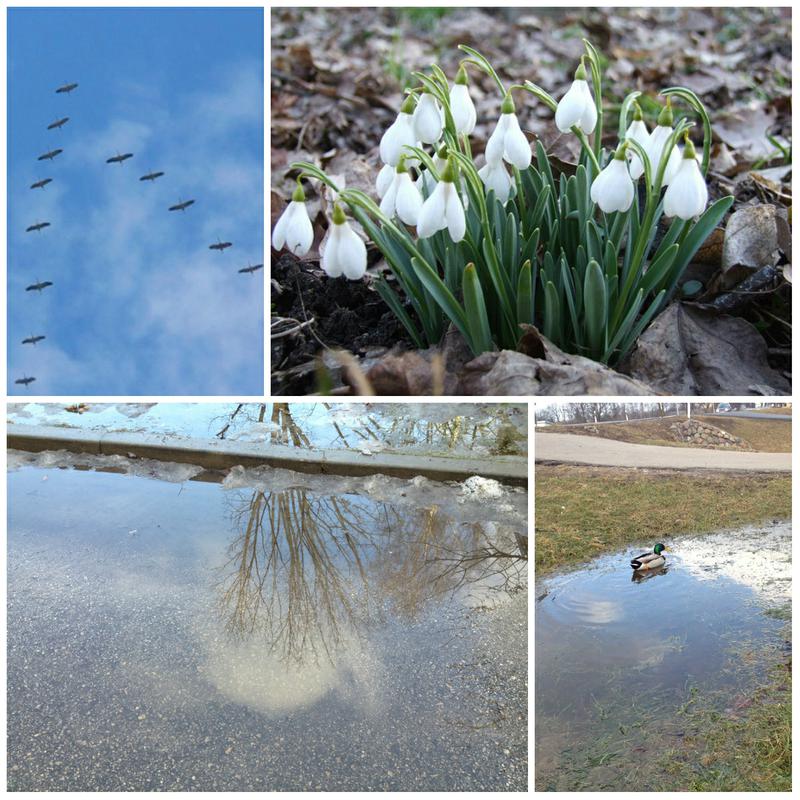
(659, 548)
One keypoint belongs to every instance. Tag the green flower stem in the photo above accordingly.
(623, 113)
(521, 200)
(694, 101)
(587, 147)
(594, 63)
(482, 64)
(541, 94)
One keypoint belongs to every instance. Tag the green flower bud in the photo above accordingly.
(299, 196)
(338, 216)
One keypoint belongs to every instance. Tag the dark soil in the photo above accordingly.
(348, 315)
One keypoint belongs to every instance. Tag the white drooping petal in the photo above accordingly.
(613, 188)
(655, 150)
(428, 120)
(389, 199)
(329, 260)
(345, 253)
(398, 136)
(495, 176)
(687, 193)
(385, 178)
(294, 230)
(352, 253)
(432, 215)
(454, 213)
(496, 146)
(517, 150)
(463, 109)
(637, 131)
(408, 201)
(576, 107)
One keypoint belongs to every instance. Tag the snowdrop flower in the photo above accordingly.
(426, 180)
(508, 141)
(428, 119)
(461, 105)
(345, 253)
(576, 107)
(399, 135)
(687, 193)
(496, 177)
(293, 229)
(613, 188)
(658, 142)
(443, 209)
(402, 197)
(384, 180)
(637, 131)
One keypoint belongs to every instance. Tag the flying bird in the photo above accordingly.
(251, 268)
(151, 176)
(25, 380)
(41, 184)
(38, 286)
(220, 245)
(50, 154)
(66, 88)
(37, 226)
(58, 123)
(118, 159)
(33, 339)
(181, 205)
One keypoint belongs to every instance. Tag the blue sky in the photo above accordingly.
(140, 305)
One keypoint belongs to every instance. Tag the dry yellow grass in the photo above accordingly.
(582, 512)
(766, 436)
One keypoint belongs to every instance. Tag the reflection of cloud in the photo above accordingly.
(757, 557)
(601, 612)
(247, 673)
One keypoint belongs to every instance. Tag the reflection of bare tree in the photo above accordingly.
(307, 570)
(290, 565)
(287, 430)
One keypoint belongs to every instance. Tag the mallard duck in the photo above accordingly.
(652, 560)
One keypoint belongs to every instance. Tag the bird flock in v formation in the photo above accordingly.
(119, 158)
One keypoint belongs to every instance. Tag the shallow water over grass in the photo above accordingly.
(202, 636)
(619, 660)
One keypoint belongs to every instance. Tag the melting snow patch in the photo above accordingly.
(477, 488)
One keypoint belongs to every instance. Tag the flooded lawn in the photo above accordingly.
(273, 632)
(619, 660)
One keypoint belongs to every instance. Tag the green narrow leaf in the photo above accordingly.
(595, 304)
(653, 279)
(552, 313)
(477, 320)
(698, 234)
(525, 295)
(391, 299)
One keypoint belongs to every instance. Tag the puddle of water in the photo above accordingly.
(431, 428)
(617, 657)
(199, 636)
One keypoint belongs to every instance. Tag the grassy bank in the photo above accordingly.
(766, 436)
(747, 751)
(582, 512)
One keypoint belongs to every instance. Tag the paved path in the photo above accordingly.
(753, 415)
(572, 449)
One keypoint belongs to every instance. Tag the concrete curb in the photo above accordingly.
(222, 454)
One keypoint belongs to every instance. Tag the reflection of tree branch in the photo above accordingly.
(306, 569)
(286, 580)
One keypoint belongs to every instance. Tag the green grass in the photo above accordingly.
(582, 512)
(748, 751)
